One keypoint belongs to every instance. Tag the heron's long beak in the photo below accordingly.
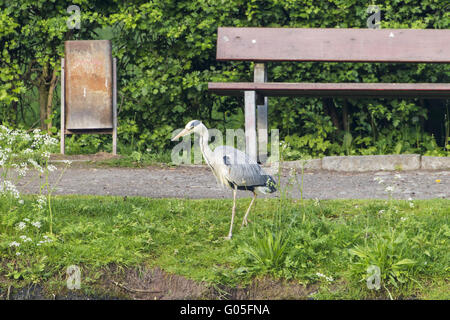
(181, 134)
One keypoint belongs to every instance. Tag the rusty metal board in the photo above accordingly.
(431, 90)
(88, 85)
(339, 45)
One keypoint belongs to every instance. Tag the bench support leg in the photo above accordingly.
(114, 131)
(260, 75)
(63, 110)
(250, 124)
(263, 138)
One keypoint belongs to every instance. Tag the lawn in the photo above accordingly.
(339, 247)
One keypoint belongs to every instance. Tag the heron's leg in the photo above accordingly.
(245, 221)
(233, 211)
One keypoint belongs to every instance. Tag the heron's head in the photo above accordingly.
(192, 126)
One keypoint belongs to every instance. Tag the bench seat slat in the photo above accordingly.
(423, 90)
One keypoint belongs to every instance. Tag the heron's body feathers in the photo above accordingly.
(233, 167)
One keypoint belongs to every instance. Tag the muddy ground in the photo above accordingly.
(155, 284)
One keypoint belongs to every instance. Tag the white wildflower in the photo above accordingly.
(41, 201)
(316, 202)
(49, 141)
(25, 238)
(21, 225)
(47, 240)
(389, 189)
(321, 275)
(21, 170)
(36, 224)
(8, 187)
(36, 165)
(14, 244)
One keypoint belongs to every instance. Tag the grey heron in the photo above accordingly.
(232, 168)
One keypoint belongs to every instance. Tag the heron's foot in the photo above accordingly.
(228, 237)
(245, 222)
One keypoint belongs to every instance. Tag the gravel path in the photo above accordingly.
(199, 182)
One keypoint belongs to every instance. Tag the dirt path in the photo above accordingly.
(199, 182)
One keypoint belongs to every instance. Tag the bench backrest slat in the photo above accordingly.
(333, 45)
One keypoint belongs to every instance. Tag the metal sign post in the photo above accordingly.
(88, 90)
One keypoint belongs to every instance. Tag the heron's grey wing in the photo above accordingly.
(238, 168)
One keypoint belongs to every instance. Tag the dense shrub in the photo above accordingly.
(166, 54)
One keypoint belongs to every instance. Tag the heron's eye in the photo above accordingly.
(194, 123)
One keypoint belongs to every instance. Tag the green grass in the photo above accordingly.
(328, 243)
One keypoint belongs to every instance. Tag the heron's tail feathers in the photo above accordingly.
(269, 187)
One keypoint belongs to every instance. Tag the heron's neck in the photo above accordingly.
(204, 147)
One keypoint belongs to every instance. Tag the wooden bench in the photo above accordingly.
(326, 45)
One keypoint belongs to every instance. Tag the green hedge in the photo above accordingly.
(166, 52)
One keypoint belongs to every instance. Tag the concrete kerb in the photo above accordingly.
(401, 162)
(372, 163)
(311, 164)
(435, 163)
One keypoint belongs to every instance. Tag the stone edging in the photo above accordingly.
(372, 163)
